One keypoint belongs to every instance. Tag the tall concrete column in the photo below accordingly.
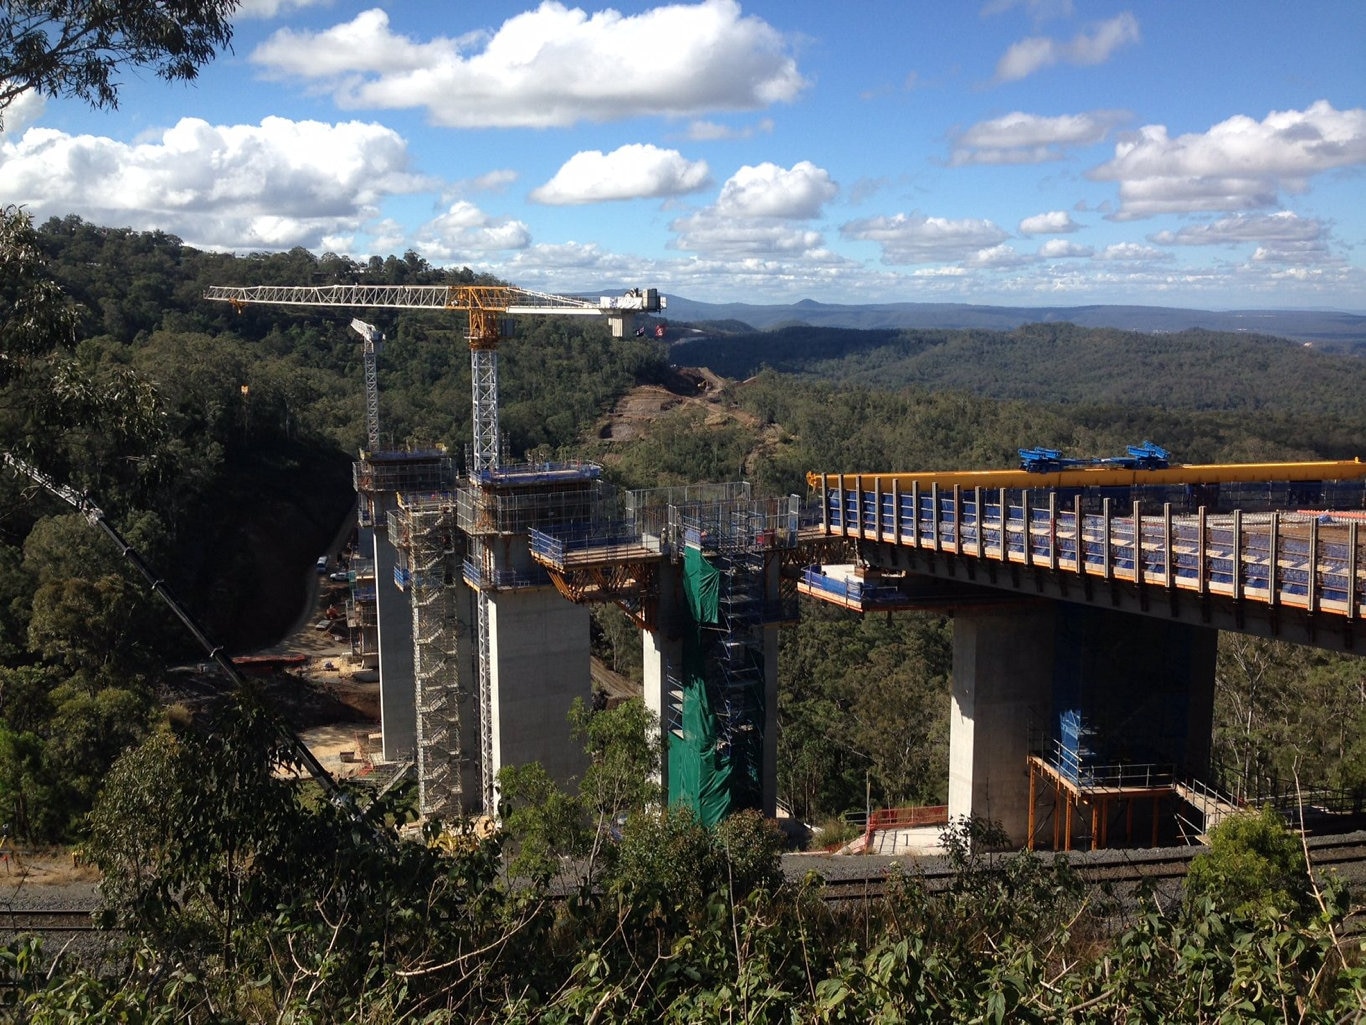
(539, 662)
(1137, 691)
(1002, 688)
(662, 658)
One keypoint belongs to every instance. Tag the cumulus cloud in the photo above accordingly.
(755, 211)
(767, 190)
(915, 238)
(1282, 237)
(274, 185)
(1093, 46)
(1132, 252)
(1019, 138)
(22, 111)
(1054, 222)
(1283, 226)
(630, 172)
(1239, 164)
(998, 258)
(1061, 248)
(465, 230)
(552, 66)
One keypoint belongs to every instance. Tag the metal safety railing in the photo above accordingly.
(851, 590)
(1309, 560)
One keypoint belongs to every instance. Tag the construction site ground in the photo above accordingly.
(330, 698)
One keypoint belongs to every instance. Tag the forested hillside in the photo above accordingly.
(1058, 363)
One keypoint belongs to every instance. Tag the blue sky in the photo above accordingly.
(1021, 152)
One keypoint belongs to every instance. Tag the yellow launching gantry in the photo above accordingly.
(486, 306)
(1061, 474)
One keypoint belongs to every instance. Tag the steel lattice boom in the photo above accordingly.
(485, 305)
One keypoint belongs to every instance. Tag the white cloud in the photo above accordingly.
(767, 190)
(22, 111)
(1132, 252)
(1019, 138)
(266, 9)
(998, 257)
(920, 239)
(710, 131)
(1091, 47)
(754, 211)
(1239, 164)
(493, 181)
(552, 66)
(629, 172)
(1280, 227)
(705, 232)
(1054, 222)
(464, 231)
(275, 185)
(1061, 248)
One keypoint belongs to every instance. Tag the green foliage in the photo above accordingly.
(863, 704)
(57, 50)
(545, 824)
(1253, 865)
(1285, 712)
(1059, 363)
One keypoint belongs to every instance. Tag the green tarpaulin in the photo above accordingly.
(699, 777)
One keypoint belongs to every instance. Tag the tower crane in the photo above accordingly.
(373, 341)
(486, 306)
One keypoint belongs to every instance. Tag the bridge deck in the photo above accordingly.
(1309, 561)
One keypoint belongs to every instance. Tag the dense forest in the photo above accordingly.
(220, 443)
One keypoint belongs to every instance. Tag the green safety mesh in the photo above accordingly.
(699, 777)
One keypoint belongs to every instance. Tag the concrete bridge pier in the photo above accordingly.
(1089, 689)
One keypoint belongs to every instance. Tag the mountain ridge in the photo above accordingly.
(1335, 328)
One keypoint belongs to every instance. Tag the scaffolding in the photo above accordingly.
(544, 496)
(716, 712)
(431, 551)
(376, 474)
(362, 611)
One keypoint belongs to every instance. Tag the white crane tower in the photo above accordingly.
(374, 341)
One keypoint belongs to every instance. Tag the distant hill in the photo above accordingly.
(1324, 328)
(1056, 363)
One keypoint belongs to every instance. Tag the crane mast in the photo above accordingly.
(485, 305)
(370, 353)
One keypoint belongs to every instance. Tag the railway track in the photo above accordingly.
(1116, 868)
(46, 920)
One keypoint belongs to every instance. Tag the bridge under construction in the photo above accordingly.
(1086, 599)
